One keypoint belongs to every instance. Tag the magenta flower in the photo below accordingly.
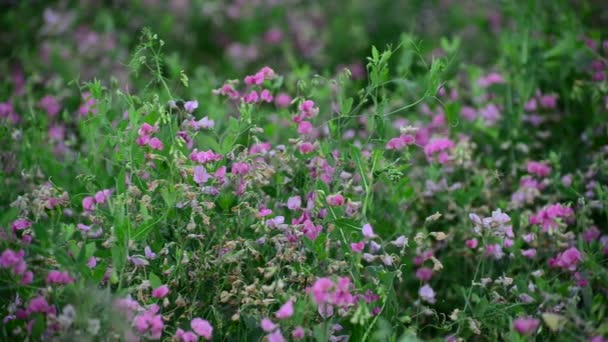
(306, 148)
(471, 243)
(294, 203)
(146, 129)
(149, 254)
(400, 142)
(267, 325)
(368, 231)
(202, 328)
(150, 322)
(285, 311)
(569, 259)
(92, 262)
(50, 105)
(88, 203)
(539, 169)
(38, 304)
(424, 274)
(205, 123)
(282, 100)
(427, 294)
(186, 336)
(275, 336)
(20, 224)
(240, 168)
(335, 200)
(304, 128)
(156, 144)
(200, 175)
(191, 106)
(357, 247)
(59, 277)
(266, 96)
(252, 97)
(160, 292)
(311, 231)
(526, 325)
(298, 333)
(439, 146)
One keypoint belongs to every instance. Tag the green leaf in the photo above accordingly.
(154, 280)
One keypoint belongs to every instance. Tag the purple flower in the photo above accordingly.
(526, 325)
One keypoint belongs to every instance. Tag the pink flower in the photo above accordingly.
(526, 325)
(273, 36)
(267, 325)
(150, 322)
(438, 145)
(266, 96)
(255, 79)
(357, 247)
(591, 234)
(38, 304)
(335, 200)
(298, 333)
(156, 144)
(304, 128)
(468, 113)
(92, 262)
(186, 336)
(160, 292)
(252, 97)
(490, 79)
(548, 101)
(143, 140)
(58, 277)
(285, 311)
(308, 109)
(427, 294)
(204, 156)
(205, 123)
(20, 224)
(294, 203)
(368, 231)
(200, 175)
(400, 142)
(311, 231)
(306, 148)
(50, 105)
(149, 254)
(539, 169)
(546, 218)
(202, 328)
(282, 100)
(146, 129)
(102, 196)
(13, 260)
(424, 274)
(529, 253)
(569, 259)
(191, 106)
(471, 243)
(240, 168)
(88, 203)
(275, 336)
(27, 278)
(227, 90)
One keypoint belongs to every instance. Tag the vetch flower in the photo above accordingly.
(200, 175)
(191, 106)
(526, 325)
(160, 292)
(427, 294)
(201, 327)
(285, 311)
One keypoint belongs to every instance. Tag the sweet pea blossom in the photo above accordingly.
(294, 203)
(335, 200)
(285, 311)
(190, 106)
(202, 328)
(267, 325)
(368, 231)
(526, 325)
(427, 294)
(160, 292)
